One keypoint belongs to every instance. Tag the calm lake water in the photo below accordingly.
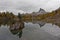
(31, 32)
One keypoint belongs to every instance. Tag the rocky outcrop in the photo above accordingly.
(42, 11)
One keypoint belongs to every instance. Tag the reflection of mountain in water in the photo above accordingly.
(30, 32)
(39, 22)
(52, 29)
(34, 32)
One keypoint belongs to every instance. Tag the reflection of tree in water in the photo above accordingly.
(16, 29)
(17, 32)
(20, 34)
(14, 21)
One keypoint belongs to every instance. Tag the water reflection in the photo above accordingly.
(17, 32)
(30, 32)
(40, 23)
(16, 29)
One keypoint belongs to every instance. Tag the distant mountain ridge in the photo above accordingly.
(48, 17)
(41, 11)
(54, 18)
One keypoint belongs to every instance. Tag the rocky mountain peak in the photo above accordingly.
(41, 11)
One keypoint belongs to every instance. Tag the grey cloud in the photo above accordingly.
(28, 5)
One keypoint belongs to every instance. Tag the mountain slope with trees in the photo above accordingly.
(48, 17)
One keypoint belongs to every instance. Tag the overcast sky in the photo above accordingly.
(28, 5)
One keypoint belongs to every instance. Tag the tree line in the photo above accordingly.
(9, 18)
